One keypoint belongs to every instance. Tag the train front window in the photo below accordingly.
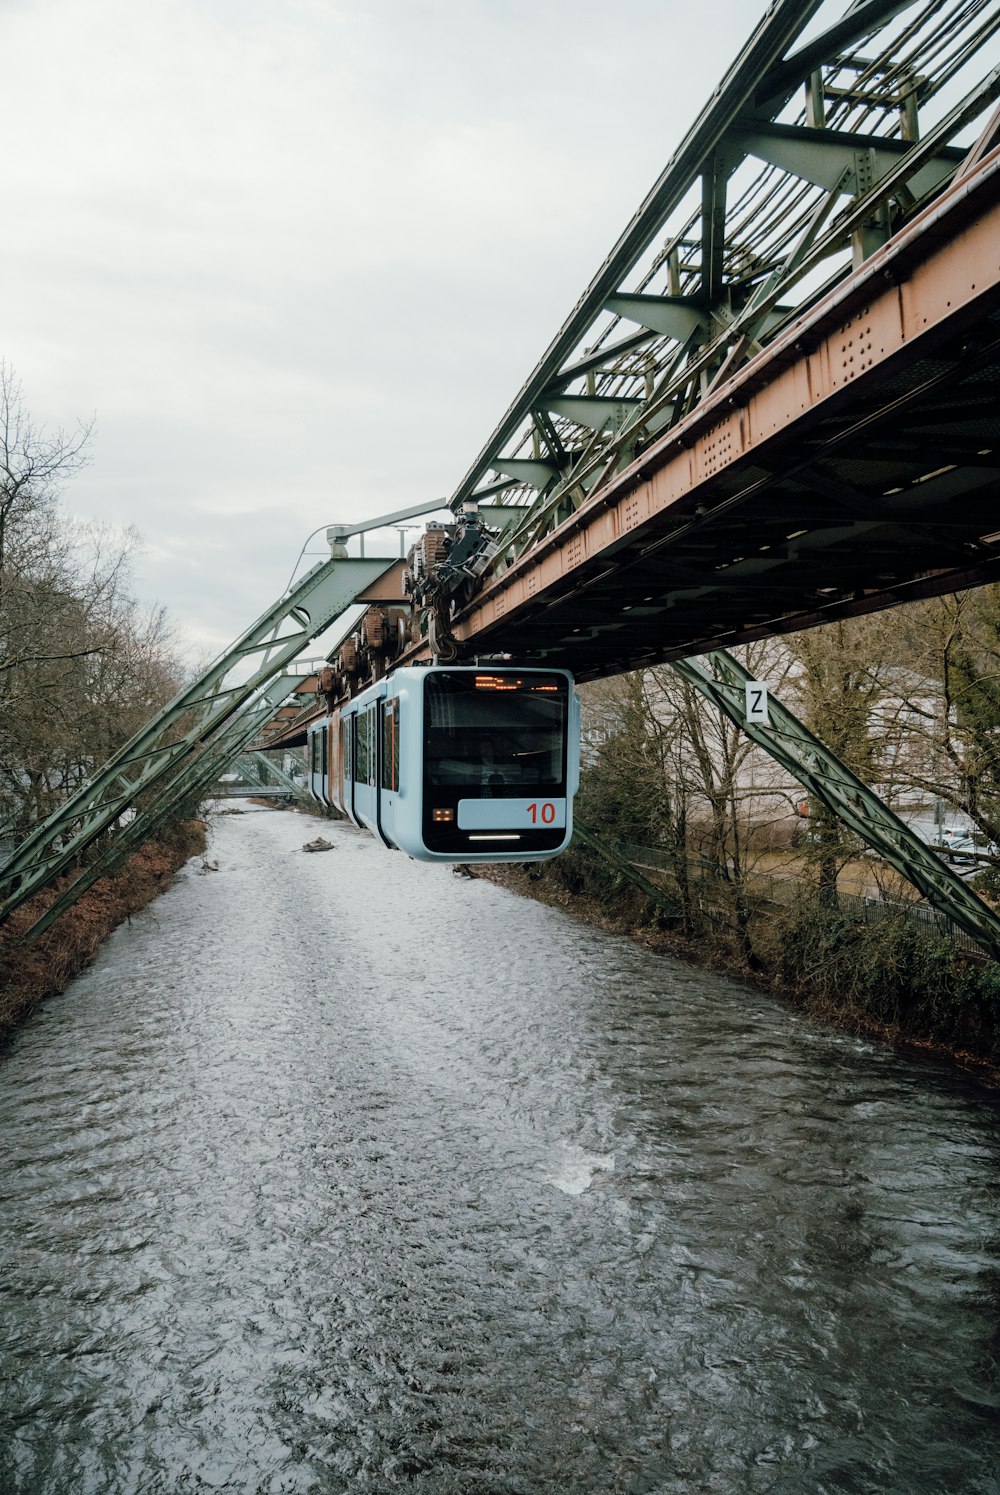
(494, 734)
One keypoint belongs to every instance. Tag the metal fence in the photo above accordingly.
(766, 887)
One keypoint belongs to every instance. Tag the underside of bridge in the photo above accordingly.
(852, 465)
(776, 401)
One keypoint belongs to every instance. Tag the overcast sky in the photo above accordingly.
(298, 257)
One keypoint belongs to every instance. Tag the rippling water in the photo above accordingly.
(337, 1173)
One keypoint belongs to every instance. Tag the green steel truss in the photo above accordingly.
(624, 867)
(260, 774)
(722, 680)
(182, 786)
(126, 796)
(835, 125)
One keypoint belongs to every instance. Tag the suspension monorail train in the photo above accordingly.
(456, 763)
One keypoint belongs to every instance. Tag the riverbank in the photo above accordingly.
(885, 982)
(28, 976)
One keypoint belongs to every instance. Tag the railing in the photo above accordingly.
(782, 891)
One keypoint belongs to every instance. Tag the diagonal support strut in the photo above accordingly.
(192, 721)
(722, 680)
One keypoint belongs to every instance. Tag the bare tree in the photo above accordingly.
(82, 665)
(951, 695)
(33, 466)
(678, 774)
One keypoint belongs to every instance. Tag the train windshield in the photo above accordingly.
(495, 733)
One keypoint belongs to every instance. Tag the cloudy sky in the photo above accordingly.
(296, 258)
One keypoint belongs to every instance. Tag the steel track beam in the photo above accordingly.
(762, 209)
(722, 680)
(854, 393)
(191, 720)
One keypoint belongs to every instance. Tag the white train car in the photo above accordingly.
(456, 763)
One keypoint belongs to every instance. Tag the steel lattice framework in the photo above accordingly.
(181, 752)
(829, 133)
(189, 779)
(722, 680)
(260, 775)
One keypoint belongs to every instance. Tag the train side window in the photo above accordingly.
(314, 744)
(366, 747)
(326, 757)
(390, 745)
(361, 745)
(395, 743)
(346, 756)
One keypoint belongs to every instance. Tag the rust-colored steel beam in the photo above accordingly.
(292, 733)
(289, 729)
(852, 464)
(388, 588)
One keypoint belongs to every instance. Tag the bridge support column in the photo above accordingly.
(253, 765)
(136, 775)
(722, 680)
(186, 783)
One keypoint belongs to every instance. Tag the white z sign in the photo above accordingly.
(757, 703)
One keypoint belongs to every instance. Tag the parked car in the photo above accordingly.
(966, 847)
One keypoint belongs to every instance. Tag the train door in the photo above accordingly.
(366, 766)
(316, 765)
(349, 724)
(342, 780)
(388, 767)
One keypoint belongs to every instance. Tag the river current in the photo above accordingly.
(341, 1173)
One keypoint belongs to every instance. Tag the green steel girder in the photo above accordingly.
(722, 680)
(593, 412)
(193, 719)
(260, 761)
(187, 782)
(589, 363)
(677, 317)
(530, 470)
(624, 867)
(840, 160)
(766, 49)
(861, 21)
(808, 149)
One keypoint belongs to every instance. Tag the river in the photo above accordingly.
(341, 1173)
